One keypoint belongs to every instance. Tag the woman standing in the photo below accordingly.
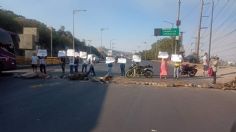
(163, 68)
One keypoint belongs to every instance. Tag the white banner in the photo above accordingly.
(136, 58)
(110, 60)
(76, 54)
(42, 52)
(121, 60)
(163, 55)
(61, 53)
(176, 58)
(83, 54)
(70, 52)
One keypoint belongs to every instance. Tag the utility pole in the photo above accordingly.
(178, 23)
(199, 30)
(212, 15)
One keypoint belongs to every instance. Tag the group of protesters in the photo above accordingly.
(74, 65)
(42, 63)
(210, 67)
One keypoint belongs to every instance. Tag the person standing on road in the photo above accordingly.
(176, 70)
(71, 63)
(163, 68)
(34, 62)
(42, 64)
(84, 65)
(76, 63)
(91, 68)
(122, 69)
(205, 64)
(63, 64)
(214, 66)
(109, 72)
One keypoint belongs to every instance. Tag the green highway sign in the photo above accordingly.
(166, 32)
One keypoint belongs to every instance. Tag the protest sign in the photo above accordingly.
(76, 54)
(70, 52)
(83, 54)
(176, 58)
(121, 60)
(61, 53)
(110, 60)
(136, 58)
(42, 52)
(163, 55)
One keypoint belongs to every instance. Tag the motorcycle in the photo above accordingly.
(188, 70)
(136, 70)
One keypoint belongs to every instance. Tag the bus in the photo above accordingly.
(7, 50)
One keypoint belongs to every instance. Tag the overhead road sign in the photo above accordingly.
(166, 32)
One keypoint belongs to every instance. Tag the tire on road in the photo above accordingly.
(129, 73)
(148, 74)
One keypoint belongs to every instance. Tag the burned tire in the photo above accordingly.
(129, 73)
(148, 74)
(192, 73)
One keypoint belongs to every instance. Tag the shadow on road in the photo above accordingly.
(54, 105)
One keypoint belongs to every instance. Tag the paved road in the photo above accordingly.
(58, 105)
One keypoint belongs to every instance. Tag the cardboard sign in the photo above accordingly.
(163, 55)
(61, 53)
(83, 54)
(76, 54)
(42, 52)
(136, 58)
(121, 60)
(110, 60)
(70, 52)
(176, 58)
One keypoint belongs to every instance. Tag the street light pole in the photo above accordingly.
(51, 40)
(74, 11)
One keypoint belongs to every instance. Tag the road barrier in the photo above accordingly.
(21, 60)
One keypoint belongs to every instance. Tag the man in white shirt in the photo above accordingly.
(34, 62)
(205, 64)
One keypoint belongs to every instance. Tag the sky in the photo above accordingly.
(129, 24)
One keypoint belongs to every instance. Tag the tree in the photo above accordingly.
(165, 45)
(62, 39)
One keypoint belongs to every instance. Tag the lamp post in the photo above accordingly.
(51, 39)
(102, 29)
(74, 11)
